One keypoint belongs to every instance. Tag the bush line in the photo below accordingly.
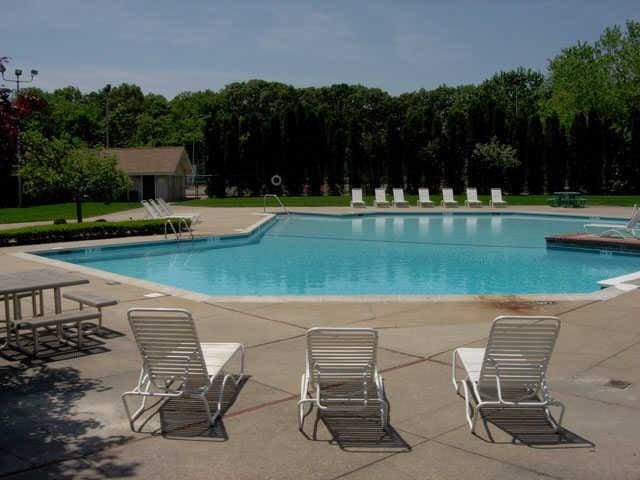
(81, 231)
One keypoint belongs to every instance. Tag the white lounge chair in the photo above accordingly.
(341, 372)
(166, 209)
(174, 362)
(398, 198)
(380, 198)
(151, 211)
(511, 371)
(423, 198)
(496, 198)
(356, 198)
(472, 198)
(447, 198)
(613, 230)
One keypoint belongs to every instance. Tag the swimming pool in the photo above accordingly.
(380, 254)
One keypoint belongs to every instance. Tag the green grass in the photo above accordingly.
(62, 210)
(343, 201)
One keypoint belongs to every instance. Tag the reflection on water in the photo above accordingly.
(496, 224)
(472, 225)
(398, 225)
(423, 226)
(447, 225)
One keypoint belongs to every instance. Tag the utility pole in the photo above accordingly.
(17, 80)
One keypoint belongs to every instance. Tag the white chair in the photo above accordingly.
(472, 198)
(151, 211)
(341, 372)
(511, 371)
(356, 198)
(380, 199)
(423, 198)
(165, 209)
(496, 198)
(447, 198)
(174, 362)
(398, 198)
(629, 230)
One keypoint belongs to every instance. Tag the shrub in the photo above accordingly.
(81, 231)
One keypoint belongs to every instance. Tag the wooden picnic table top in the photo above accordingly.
(41, 279)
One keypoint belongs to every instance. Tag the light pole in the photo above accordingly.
(107, 89)
(17, 80)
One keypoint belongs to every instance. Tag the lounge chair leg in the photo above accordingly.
(212, 418)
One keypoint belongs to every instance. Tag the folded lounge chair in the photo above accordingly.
(151, 211)
(511, 371)
(174, 362)
(472, 198)
(165, 209)
(496, 198)
(341, 372)
(380, 198)
(423, 198)
(612, 230)
(356, 198)
(398, 198)
(447, 198)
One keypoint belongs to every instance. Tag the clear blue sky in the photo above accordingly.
(171, 46)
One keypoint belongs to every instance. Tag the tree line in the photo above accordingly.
(577, 126)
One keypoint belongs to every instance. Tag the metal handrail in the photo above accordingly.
(264, 206)
(178, 232)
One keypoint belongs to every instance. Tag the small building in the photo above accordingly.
(155, 171)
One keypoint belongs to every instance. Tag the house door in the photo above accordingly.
(148, 187)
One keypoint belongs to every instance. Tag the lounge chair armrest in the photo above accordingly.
(499, 384)
(187, 370)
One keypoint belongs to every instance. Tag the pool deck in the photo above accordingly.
(62, 418)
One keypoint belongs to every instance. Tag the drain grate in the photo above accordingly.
(620, 384)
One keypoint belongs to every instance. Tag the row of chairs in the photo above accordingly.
(341, 372)
(424, 199)
(159, 209)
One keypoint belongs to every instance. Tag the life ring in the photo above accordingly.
(276, 180)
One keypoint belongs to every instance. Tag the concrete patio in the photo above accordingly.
(62, 416)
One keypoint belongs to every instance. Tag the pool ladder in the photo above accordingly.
(178, 232)
(264, 205)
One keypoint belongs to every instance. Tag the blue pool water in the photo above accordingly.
(378, 254)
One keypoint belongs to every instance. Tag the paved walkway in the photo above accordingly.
(63, 418)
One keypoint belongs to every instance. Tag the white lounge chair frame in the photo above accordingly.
(447, 198)
(472, 198)
(622, 231)
(398, 198)
(511, 371)
(164, 209)
(175, 363)
(423, 198)
(356, 198)
(496, 198)
(341, 356)
(151, 210)
(380, 199)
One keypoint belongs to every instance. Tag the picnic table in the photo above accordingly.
(567, 199)
(12, 285)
